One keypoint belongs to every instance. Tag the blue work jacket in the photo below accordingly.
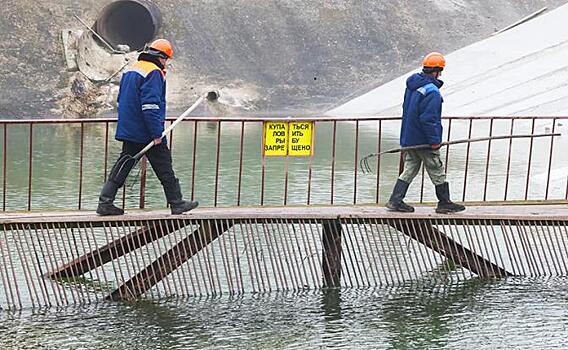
(141, 103)
(422, 111)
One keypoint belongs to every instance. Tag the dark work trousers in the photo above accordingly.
(160, 159)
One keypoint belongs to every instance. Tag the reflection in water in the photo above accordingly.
(419, 320)
(517, 313)
(331, 304)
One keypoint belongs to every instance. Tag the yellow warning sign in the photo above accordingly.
(300, 140)
(275, 140)
(282, 139)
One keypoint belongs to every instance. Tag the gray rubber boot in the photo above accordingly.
(396, 202)
(106, 199)
(174, 198)
(445, 205)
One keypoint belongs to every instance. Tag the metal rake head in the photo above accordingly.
(365, 165)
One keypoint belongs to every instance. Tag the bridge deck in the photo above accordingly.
(505, 212)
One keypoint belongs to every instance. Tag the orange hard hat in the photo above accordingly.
(163, 46)
(434, 60)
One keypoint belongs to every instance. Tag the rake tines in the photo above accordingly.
(364, 163)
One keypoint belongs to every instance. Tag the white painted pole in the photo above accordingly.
(171, 127)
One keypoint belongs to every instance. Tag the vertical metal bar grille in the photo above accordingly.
(62, 263)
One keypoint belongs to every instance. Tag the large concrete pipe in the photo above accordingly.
(129, 22)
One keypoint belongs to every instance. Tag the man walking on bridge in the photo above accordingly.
(422, 124)
(141, 118)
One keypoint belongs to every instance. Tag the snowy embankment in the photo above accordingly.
(521, 72)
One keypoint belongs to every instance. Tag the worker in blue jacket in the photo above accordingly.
(141, 118)
(422, 125)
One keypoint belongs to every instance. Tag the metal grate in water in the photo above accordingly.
(45, 264)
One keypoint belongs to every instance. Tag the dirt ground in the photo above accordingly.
(272, 57)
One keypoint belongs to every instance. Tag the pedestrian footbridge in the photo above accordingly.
(61, 258)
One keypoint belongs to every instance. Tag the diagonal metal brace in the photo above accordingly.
(208, 231)
(423, 232)
(113, 250)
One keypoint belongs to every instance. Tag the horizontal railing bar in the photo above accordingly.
(502, 117)
(261, 119)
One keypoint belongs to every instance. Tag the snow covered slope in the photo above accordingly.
(523, 71)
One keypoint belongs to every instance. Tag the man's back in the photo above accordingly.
(422, 111)
(141, 103)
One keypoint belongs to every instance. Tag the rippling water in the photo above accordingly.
(511, 314)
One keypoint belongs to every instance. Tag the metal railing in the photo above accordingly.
(57, 164)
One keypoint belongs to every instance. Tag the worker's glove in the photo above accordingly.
(436, 146)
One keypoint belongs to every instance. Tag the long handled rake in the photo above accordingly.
(366, 167)
(126, 163)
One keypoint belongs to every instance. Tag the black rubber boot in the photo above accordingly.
(395, 202)
(445, 205)
(180, 207)
(174, 197)
(108, 193)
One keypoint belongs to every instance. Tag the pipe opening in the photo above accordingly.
(212, 96)
(129, 22)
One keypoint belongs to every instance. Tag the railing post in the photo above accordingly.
(81, 157)
(143, 173)
(30, 167)
(332, 251)
(4, 182)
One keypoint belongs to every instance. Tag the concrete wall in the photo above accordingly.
(275, 57)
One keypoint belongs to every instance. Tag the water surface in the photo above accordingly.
(512, 314)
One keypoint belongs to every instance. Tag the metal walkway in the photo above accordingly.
(54, 259)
